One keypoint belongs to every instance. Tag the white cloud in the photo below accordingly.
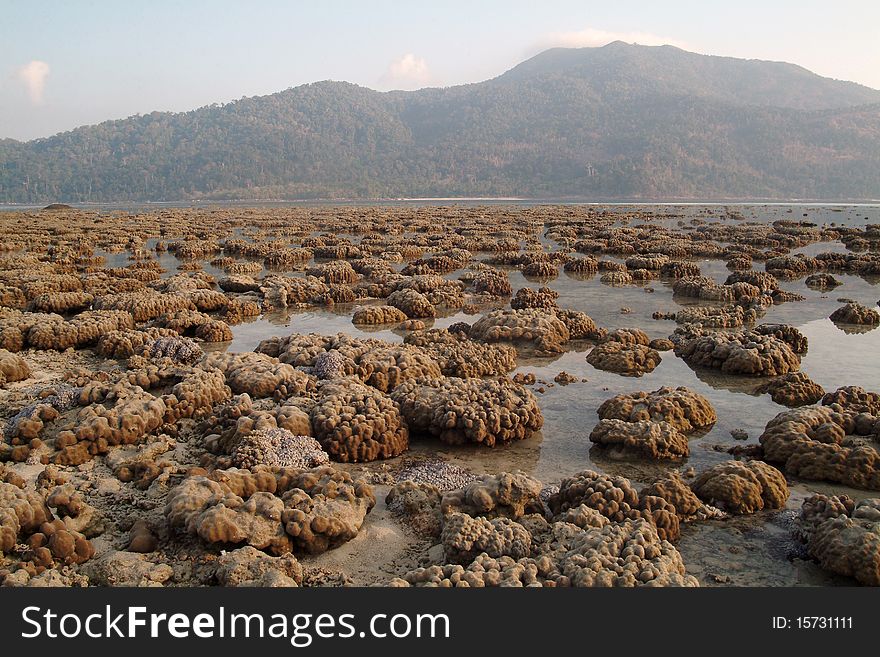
(591, 37)
(406, 72)
(33, 75)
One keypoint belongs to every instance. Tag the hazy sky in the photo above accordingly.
(67, 63)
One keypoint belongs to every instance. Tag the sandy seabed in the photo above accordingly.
(577, 395)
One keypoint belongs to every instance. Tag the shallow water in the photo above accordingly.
(835, 358)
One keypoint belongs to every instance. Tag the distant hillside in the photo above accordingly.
(621, 121)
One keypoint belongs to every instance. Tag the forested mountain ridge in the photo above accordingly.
(621, 121)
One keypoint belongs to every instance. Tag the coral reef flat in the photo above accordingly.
(440, 395)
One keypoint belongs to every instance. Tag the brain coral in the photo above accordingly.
(457, 411)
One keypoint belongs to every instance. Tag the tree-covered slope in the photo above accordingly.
(619, 121)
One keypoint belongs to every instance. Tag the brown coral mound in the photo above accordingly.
(822, 282)
(374, 315)
(146, 304)
(459, 411)
(83, 329)
(742, 487)
(654, 440)
(385, 366)
(505, 495)
(493, 282)
(813, 443)
(248, 566)
(259, 375)
(128, 342)
(704, 287)
(413, 303)
(335, 272)
(527, 297)
(681, 407)
(793, 389)
(275, 510)
(855, 313)
(853, 399)
(849, 543)
(13, 367)
(418, 503)
(62, 302)
(746, 353)
(675, 490)
(464, 538)
(133, 415)
(788, 334)
(627, 554)
(582, 266)
(357, 423)
(539, 329)
(580, 325)
(612, 496)
(629, 360)
(460, 356)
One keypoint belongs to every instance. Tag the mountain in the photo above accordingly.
(620, 121)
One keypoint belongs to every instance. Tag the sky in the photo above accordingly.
(67, 63)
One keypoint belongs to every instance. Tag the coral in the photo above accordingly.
(414, 304)
(460, 356)
(146, 304)
(419, 504)
(248, 566)
(464, 538)
(459, 411)
(278, 448)
(850, 545)
(742, 487)
(179, 349)
(259, 375)
(581, 266)
(612, 496)
(580, 325)
(853, 399)
(629, 360)
(338, 271)
(811, 442)
(679, 269)
(681, 407)
(539, 329)
(62, 302)
(238, 283)
(703, 287)
(505, 495)
(855, 313)
(793, 389)
(385, 366)
(357, 423)
(675, 490)
(330, 365)
(378, 315)
(655, 440)
(273, 510)
(822, 282)
(543, 298)
(626, 554)
(126, 343)
(744, 353)
(787, 334)
(493, 282)
(134, 414)
(13, 368)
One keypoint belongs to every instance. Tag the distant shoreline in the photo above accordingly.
(446, 200)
